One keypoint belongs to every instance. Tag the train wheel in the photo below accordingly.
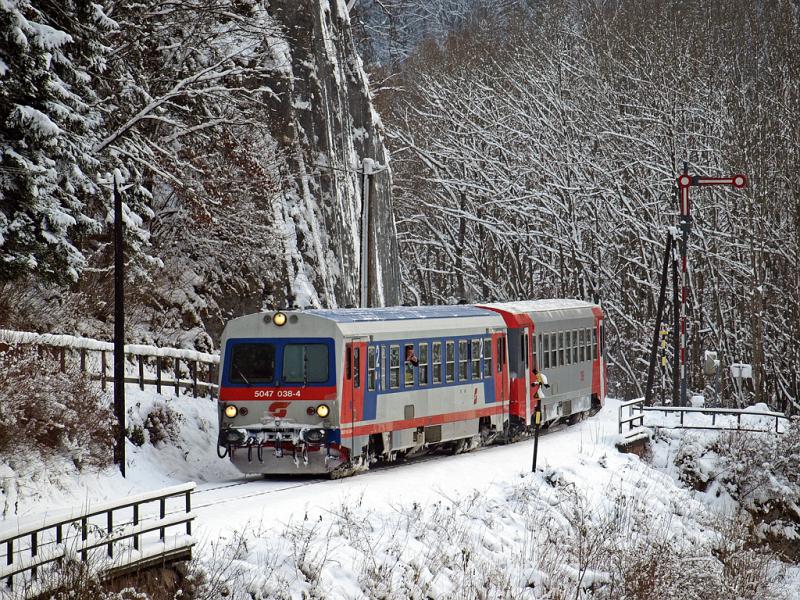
(576, 418)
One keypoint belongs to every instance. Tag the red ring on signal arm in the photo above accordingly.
(739, 181)
(684, 181)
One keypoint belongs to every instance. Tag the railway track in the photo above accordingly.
(294, 483)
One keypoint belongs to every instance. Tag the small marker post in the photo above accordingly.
(537, 422)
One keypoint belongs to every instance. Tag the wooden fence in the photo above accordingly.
(111, 539)
(164, 368)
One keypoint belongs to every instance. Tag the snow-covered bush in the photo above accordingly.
(757, 472)
(156, 422)
(47, 411)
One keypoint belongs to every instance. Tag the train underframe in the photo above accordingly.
(303, 450)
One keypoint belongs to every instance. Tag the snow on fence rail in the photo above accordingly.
(690, 417)
(96, 357)
(33, 550)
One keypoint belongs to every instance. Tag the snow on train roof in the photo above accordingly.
(541, 305)
(398, 313)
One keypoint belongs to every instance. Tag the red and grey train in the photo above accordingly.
(327, 391)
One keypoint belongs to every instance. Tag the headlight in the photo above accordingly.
(323, 410)
(279, 319)
(231, 411)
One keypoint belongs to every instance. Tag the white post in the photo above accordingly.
(367, 164)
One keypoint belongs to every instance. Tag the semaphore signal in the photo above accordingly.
(685, 183)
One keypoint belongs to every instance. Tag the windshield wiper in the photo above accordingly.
(239, 371)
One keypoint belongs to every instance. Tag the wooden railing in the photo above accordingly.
(108, 542)
(635, 420)
(151, 365)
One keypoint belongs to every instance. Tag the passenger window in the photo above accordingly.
(561, 362)
(567, 347)
(437, 362)
(588, 344)
(410, 361)
(372, 368)
(450, 360)
(581, 345)
(463, 359)
(574, 347)
(535, 364)
(357, 367)
(594, 344)
(487, 357)
(394, 367)
(553, 351)
(348, 363)
(423, 363)
(546, 351)
(476, 359)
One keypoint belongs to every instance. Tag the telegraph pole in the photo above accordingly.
(119, 328)
(367, 172)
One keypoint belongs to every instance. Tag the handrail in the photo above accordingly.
(638, 404)
(193, 360)
(52, 538)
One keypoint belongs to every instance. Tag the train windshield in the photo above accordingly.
(252, 363)
(305, 363)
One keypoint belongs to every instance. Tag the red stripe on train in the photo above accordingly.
(237, 394)
(422, 421)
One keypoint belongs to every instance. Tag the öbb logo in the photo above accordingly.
(278, 409)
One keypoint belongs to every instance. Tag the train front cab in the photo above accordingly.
(278, 406)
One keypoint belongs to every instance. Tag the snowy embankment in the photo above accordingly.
(593, 522)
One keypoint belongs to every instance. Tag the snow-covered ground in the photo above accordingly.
(591, 521)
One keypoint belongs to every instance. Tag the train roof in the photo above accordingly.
(534, 306)
(397, 313)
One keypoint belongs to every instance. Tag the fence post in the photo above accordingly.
(188, 510)
(162, 511)
(103, 369)
(10, 561)
(34, 551)
(63, 359)
(212, 370)
(84, 537)
(83, 360)
(110, 523)
(135, 523)
(59, 539)
(194, 378)
(141, 372)
(177, 376)
(158, 374)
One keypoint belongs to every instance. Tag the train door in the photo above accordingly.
(502, 369)
(519, 373)
(355, 383)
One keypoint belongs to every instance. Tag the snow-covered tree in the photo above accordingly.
(49, 52)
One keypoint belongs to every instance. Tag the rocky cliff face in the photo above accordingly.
(321, 114)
